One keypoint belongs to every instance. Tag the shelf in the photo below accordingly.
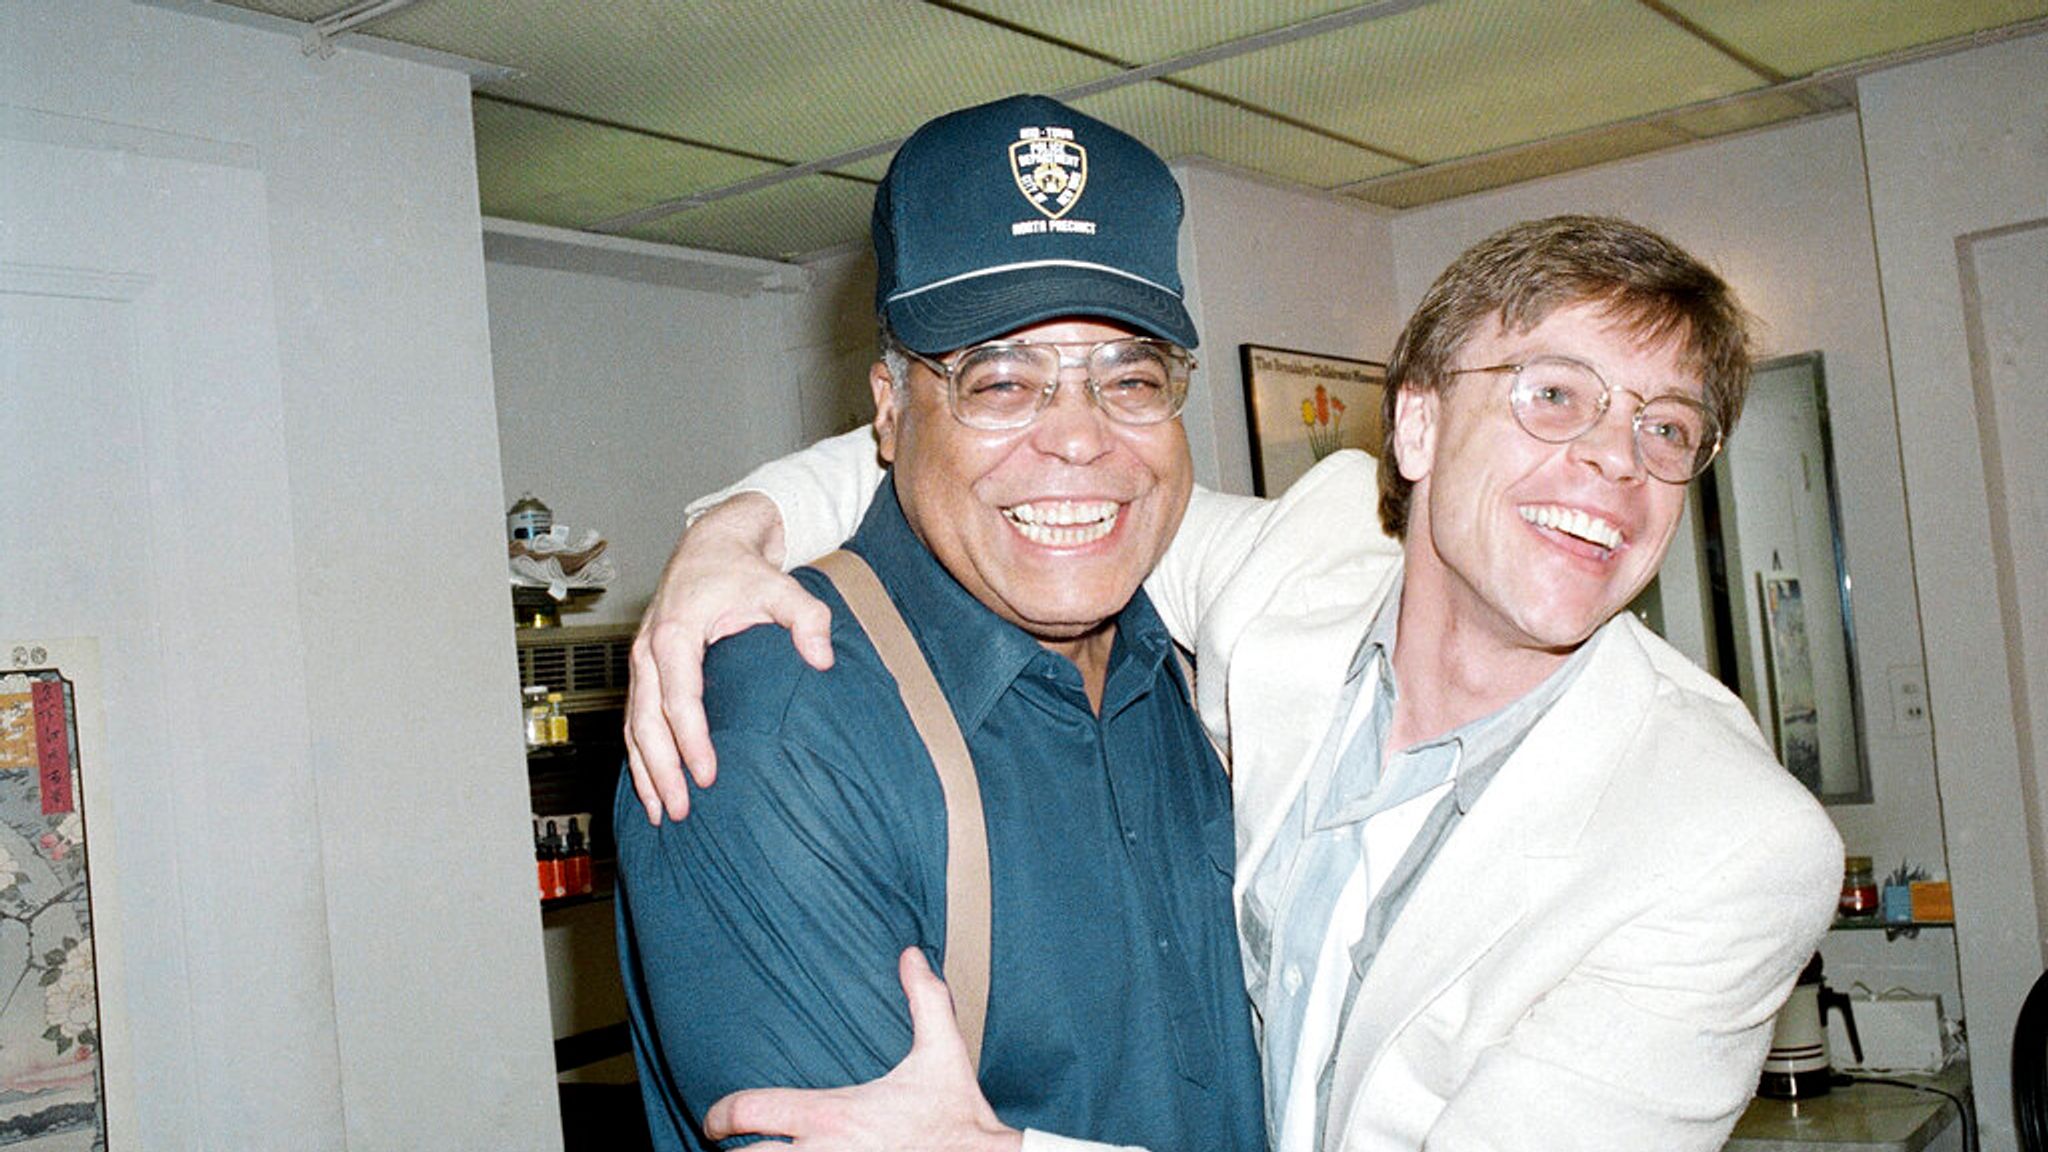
(591, 897)
(1872, 923)
(1893, 929)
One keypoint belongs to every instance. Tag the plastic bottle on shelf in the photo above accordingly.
(1859, 889)
(553, 873)
(543, 866)
(576, 862)
(528, 518)
(558, 720)
(534, 705)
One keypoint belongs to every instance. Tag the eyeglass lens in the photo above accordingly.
(1558, 400)
(1005, 385)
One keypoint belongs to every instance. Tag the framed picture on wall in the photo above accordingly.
(1788, 667)
(1302, 406)
(61, 1036)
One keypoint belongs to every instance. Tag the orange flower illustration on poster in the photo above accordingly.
(1324, 416)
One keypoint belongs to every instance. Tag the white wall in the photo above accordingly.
(1956, 147)
(1267, 264)
(624, 393)
(2006, 297)
(832, 342)
(390, 835)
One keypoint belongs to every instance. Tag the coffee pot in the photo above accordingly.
(1797, 1067)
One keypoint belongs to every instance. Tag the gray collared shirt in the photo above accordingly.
(1321, 844)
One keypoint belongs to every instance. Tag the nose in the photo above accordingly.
(1072, 428)
(1609, 447)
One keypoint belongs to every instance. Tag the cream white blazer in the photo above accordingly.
(1595, 957)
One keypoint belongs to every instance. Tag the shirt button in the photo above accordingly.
(1162, 943)
(1292, 979)
(1130, 835)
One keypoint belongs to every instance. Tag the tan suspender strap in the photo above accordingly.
(967, 882)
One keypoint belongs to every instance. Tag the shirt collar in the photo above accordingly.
(1476, 749)
(975, 654)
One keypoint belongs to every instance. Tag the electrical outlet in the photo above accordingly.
(1909, 699)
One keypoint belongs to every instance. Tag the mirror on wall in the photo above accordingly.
(1781, 631)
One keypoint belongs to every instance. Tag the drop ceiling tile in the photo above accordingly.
(785, 222)
(1469, 76)
(1128, 32)
(1811, 35)
(1177, 123)
(795, 82)
(1459, 179)
(554, 170)
(706, 93)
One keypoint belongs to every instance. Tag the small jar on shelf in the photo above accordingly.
(534, 707)
(558, 720)
(1859, 889)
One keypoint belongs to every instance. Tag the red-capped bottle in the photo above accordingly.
(553, 873)
(576, 862)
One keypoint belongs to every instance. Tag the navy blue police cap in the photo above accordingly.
(1020, 211)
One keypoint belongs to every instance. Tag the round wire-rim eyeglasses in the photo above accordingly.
(1557, 399)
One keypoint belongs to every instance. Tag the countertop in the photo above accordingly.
(1861, 1116)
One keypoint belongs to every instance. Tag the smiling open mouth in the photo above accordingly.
(1064, 523)
(1572, 522)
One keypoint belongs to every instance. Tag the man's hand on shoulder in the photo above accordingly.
(927, 1103)
(723, 579)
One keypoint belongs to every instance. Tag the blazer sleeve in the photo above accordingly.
(1656, 1037)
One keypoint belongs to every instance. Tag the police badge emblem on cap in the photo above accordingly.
(1051, 170)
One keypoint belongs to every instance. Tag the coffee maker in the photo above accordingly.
(1797, 1067)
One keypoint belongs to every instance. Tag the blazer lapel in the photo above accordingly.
(1480, 885)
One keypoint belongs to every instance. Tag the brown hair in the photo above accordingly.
(1523, 273)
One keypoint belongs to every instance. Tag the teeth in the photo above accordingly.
(1573, 522)
(1064, 523)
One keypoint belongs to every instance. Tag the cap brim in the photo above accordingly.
(984, 307)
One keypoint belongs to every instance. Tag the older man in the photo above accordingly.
(1027, 396)
(1512, 873)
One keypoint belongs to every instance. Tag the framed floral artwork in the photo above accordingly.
(55, 991)
(1302, 406)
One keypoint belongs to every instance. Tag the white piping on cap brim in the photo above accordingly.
(979, 272)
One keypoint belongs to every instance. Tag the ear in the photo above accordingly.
(1417, 415)
(884, 390)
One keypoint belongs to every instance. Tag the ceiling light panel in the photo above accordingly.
(1812, 35)
(554, 170)
(785, 222)
(1470, 76)
(1177, 123)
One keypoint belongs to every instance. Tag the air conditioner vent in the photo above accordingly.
(587, 664)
